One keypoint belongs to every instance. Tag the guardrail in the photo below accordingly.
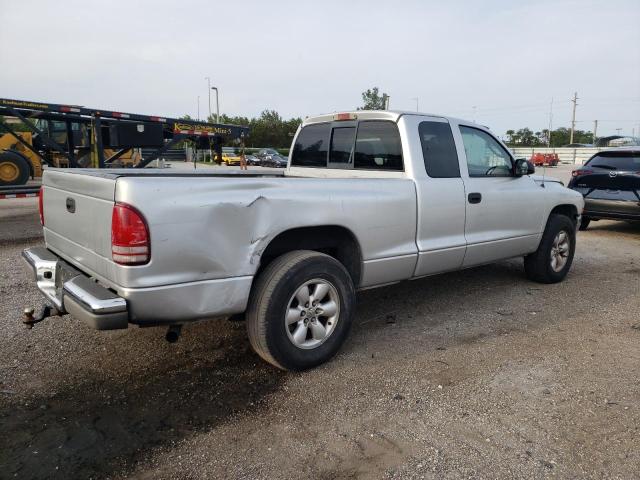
(21, 191)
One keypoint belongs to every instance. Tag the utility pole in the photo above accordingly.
(217, 104)
(550, 122)
(573, 116)
(209, 91)
(417, 104)
(595, 131)
(385, 101)
(198, 107)
(474, 114)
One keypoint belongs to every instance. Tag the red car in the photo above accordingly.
(540, 159)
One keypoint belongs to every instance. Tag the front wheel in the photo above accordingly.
(300, 310)
(552, 261)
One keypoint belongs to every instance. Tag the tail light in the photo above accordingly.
(577, 173)
(40, 205)
(129, 236)
(345, 116)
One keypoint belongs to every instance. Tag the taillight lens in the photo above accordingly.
(129, 236)
(40, 205)
(577, 173)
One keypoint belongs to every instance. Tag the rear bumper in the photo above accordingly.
(605, 208)
(70, 291)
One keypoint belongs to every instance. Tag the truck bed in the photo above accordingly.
(208, 226)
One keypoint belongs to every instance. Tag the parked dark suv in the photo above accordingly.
(610, 184)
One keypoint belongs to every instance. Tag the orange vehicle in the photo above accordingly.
(541, 159)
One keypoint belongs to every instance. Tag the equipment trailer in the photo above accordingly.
(75, 136)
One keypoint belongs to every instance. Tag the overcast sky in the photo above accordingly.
(506, 58)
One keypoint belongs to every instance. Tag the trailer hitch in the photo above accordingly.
(46, 311)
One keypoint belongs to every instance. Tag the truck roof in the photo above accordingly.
(393, 115)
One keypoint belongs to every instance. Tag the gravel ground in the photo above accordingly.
(473, 374)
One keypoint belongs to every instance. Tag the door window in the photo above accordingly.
(439, 150)
(485, 156)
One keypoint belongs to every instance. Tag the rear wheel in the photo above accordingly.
(584, 223)
(552, 261)
(300, 310)
(14, 169)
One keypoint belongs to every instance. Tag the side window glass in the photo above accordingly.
(310, 149)
(485, 156)
(439, 150)
(378, 146)
(341, 146)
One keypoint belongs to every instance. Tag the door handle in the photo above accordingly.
(475, 197)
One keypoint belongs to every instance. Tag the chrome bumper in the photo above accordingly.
(71, 291)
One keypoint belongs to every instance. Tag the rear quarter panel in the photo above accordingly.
(210, 228)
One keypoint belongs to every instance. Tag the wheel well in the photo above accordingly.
(567, 210)
(332, 240)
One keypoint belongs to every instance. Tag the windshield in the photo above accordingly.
(616, 161)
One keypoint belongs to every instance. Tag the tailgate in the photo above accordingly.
(77, 218)
(610, 180)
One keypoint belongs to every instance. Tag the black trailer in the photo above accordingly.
(103, 135)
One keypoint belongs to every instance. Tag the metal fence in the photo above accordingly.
(566, 155)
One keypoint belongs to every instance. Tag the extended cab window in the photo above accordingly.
(439, 150)
(485, 156)
(310, 149)
(378, 146)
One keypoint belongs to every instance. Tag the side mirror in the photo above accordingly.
(523, 167)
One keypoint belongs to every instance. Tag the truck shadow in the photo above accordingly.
(102, 427)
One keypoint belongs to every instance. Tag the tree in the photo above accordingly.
(510, 137)
(373, 100)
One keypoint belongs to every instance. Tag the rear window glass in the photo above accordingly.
(311, 146)
(341, 145)
(439, 150)
(616, 161)
(378, 146)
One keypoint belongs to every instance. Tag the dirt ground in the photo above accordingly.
(476, 374)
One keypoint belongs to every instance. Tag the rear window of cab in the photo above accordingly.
(361, 145)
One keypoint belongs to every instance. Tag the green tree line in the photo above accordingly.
(525, 137)
(267, 130)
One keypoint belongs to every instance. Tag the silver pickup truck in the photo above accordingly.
(369, 198)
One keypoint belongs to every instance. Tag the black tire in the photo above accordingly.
(269, 302)
(14, 169)
(538, 265)
(584, 223)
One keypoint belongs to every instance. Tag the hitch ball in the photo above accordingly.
(27, 317)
